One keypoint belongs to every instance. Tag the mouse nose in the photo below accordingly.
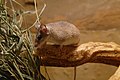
(36, 44)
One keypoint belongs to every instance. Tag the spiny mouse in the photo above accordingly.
(58, 33)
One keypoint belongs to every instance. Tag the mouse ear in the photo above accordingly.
(44, 29)
(37, 25)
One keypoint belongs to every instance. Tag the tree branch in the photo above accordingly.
(71, 56)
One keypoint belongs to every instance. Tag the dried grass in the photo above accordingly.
(14, 41)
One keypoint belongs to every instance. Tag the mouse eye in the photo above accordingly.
(39, 37)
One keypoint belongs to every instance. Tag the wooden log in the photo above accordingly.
(71, 56)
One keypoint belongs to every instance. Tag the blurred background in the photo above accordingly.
(98, 20)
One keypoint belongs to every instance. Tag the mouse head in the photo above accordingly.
(42, 32)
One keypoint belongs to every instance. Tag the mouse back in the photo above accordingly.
(63, 31)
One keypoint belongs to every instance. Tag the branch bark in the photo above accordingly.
(71, 56)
